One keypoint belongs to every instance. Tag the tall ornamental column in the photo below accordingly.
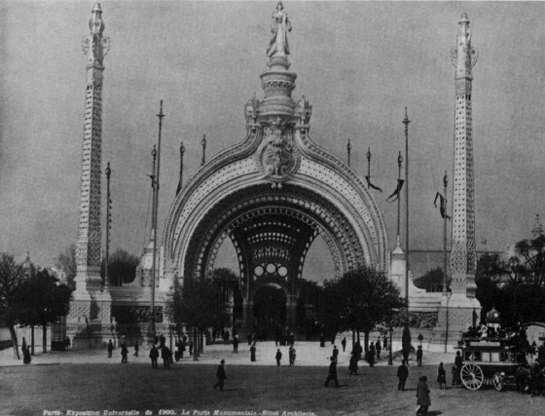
(459, 308)
(91, 301)
(463, 259)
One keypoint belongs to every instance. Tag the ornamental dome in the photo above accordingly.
(28, 267)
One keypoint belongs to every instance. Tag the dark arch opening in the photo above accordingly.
(269, 311)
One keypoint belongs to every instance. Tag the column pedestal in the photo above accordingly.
(456, 315)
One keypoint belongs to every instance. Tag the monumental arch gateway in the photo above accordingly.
(272, 195)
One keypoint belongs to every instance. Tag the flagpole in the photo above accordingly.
(399, 163)
(406, 121)
(156, 204)
(445, 226)
(445, 183)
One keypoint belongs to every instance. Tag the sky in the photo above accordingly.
(358, 63)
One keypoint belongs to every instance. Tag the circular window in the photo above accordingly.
(258, 271)
(271, 268)
(283, 271)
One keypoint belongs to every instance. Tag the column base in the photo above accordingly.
(456, 315)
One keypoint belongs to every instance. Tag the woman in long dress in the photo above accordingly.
(279, 28)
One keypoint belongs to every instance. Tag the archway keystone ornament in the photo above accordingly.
(272, 195)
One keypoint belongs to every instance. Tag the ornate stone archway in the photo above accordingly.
(272, 195)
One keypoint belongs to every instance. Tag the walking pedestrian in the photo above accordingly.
(190, 347)
(378, 348)
(441, 377)
(292, 355)
(406, 352)
(135, 349)
(278, 357)
(385, 342)
(165, 355)
(402, 375)
(162, 340)
(220, 374)
(124, 353)
(110, 349)
(423, 397)
(343, 343)
(456, 369)
(67, 343)
(26, 355)
(419, 354)
(332, 375)
(322, 340)
(335, 352)
(371, 355)
(252, 353)
(154, 354)
(235, 344)
(353, 364)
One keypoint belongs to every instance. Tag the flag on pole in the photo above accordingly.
(396, 193)
(370, 185)
(442, 205)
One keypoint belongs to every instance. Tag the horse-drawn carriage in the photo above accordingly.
(486, 362)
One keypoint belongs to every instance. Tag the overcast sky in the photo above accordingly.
(358, 63)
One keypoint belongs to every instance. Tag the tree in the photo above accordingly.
(227, 283)
(198, 304)
(364, 297)
(41, 300)
(532, 252)
(10, 278)
(121, 267)
(432, 281)
(66, 262)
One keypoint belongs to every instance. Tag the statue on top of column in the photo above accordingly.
(279, 27)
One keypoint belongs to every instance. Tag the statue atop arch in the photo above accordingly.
(280, 26)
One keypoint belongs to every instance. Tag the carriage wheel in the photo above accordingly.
(472, 376)
(497, 380)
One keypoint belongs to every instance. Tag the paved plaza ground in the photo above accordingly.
(89, 381)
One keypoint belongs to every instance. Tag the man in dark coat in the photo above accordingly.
(423, 397)
(322, 340)
(110, 349)
(252, 353)
(456, 370)
(353, 365)
(278, 357)
(124, 353)
(378, 348)
(154, 354)
(136, 349)
(165, 355)
(419, 354)
(335, 352)
(235, 344)
(343, 343)
(332, 375)
(292, 355)
(162, 340)
(220, 374)
(402, 375)
(371, 355)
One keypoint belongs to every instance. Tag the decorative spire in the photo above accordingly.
(348, 149)
(96, 25)
(180, 182)
(95, 45)
(463, 56)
